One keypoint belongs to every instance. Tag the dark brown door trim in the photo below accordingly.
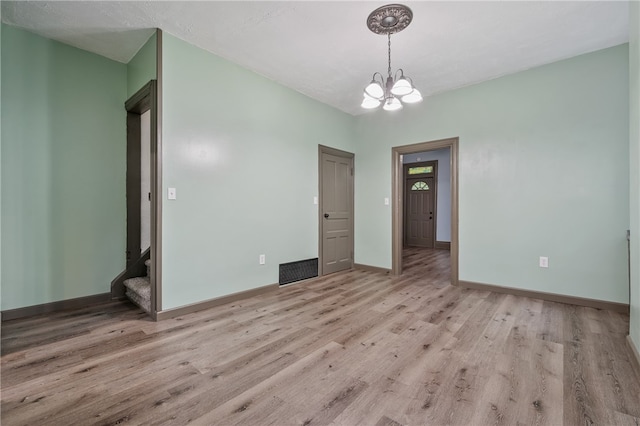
(146, 99)
(338, 153)
(397, 213)
(156, 182)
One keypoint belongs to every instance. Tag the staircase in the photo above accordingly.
(138, 289)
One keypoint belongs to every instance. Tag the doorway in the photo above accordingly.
(420, 204)
(335, 202)
(398, 209)
(143, 190)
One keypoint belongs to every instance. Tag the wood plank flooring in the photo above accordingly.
(357, 348)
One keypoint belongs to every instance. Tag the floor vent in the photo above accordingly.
(297, 271)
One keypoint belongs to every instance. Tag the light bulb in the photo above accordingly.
(412, 97)
(374, 90)
(369, 103)
(392, 104)
(402, 87)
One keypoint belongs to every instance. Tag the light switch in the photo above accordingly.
(315, 200)
(386, 201)
(172, 193)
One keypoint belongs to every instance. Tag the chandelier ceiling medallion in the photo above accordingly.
(387, 20)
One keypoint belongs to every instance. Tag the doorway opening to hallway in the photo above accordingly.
(425, 203)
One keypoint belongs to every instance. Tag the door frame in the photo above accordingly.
(322, 149)
(146, 99)
(397, 197)
(435, 196)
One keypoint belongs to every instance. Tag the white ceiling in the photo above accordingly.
(324, 49)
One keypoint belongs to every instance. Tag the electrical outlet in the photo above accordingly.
(544, 262)
(263, 259)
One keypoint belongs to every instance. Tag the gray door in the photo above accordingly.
(133, 195)
(419, 211)
(336, 211)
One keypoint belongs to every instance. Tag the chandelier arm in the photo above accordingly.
(378, 74)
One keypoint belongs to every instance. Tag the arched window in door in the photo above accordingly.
(420, 186)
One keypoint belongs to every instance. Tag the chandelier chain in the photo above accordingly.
(389, 69)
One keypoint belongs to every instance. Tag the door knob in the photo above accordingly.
(326, 215)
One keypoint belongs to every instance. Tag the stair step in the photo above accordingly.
(139, 291)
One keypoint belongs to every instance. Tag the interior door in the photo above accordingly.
(419, 211)
(145, 180)
(134, 161)
(138, 184)
(336, 211)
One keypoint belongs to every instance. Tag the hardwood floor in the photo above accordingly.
(354, 348)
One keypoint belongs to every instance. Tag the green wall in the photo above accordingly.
(634, 155)
(142, 67)
(543, 171)
(63, 170)
(242, 153)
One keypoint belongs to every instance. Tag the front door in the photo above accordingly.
(420, 206)
(336, 210)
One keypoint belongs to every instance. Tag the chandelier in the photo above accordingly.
(387, 20)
